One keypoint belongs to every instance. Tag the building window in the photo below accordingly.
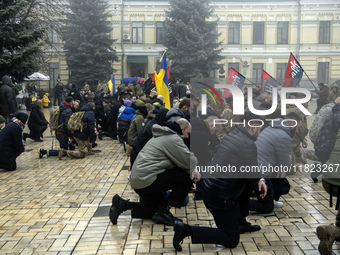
(258, 32)
(323, 70)
(324, 31)
(234, 32)
(280, 72)
(282, 32)
(257, 73)
(54, 74)
(52, 35)
(235, 66)
(137, 32)
(160, 35)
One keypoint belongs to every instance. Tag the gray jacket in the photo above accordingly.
(319, 120)
(166, 150)
(273, 146)
(174, 114)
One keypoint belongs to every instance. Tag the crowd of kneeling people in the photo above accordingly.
(169, 148)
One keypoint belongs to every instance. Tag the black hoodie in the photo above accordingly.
(7, 96)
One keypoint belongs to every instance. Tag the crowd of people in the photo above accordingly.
(169, 148)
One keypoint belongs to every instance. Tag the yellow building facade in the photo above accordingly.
(255, 35)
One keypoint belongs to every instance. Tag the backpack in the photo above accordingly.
(75, 122)
(54, 118)
(325, 141)
(122, 129)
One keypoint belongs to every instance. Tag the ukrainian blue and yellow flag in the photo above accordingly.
(162, 82)
(112, 85)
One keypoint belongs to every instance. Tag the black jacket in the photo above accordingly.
(202, 143)
(88, 127)
(99, 112)
(11, 142)
(37, 119)
(75, 94)
(237, 149)
(182, 90)
(113, 116)
(65, 114)
(7, 96)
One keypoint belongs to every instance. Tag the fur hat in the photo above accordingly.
(21, 116)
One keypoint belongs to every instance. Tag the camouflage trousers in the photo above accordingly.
(310, 154)
(298, 155)
(83, 149)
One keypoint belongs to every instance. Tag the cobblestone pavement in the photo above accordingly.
(52, 206)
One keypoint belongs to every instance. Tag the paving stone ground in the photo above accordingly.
(52, 206)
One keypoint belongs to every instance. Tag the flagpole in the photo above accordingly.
(309, 79)
(249, 80)
(157, 66)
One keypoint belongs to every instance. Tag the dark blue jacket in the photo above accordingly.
(11, 141)
(88, 127)
(65, 114)
(238, 149)
(75, 94)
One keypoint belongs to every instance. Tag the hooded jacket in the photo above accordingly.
(273, 145)
(175, 113)
(37, 119)
(7, 96)
(166, 150)
(88, 125)
(334, 95)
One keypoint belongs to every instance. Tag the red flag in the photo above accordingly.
(267, 83)
(294, 72)
(234, 78)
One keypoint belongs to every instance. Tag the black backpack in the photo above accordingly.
(122, 129)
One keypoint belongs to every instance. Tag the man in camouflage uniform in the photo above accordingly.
(121, 87)
(86, 87)
(335, 93)
(227, 114)
(323, 93)
(314, 129)
(296, 151)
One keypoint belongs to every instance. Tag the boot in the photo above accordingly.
(337, 219)
(164, 216)
(42, 152)
(327, 235)
(118, 206)
(181, 231)
(61, 152)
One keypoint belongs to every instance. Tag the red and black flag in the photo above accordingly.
(234, 78)
(267, 83)
(294, 72)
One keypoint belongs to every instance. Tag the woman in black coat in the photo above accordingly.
(37, 122)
